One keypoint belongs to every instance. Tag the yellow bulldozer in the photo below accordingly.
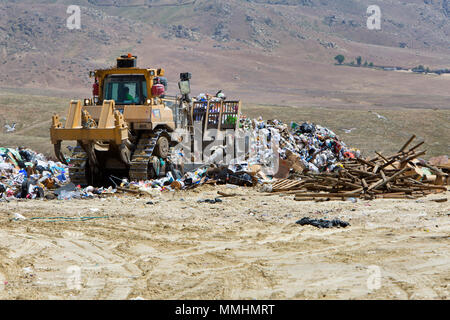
(126, 126)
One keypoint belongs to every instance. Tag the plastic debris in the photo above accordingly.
(18, 216)
(28, 175)
(25, 174)
(313, 147)
(212, 201)
(321, 223)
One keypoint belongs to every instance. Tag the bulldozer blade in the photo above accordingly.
(59, 155)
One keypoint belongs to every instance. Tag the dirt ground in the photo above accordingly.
(247, 247)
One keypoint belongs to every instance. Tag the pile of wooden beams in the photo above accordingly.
(393, 177)
(285, 185)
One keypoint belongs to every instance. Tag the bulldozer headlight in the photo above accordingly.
(87, 102)
(149, 101)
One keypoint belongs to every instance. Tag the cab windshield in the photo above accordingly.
(125, 89)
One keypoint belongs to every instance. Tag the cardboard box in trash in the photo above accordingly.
(422, 173)
(292, 162)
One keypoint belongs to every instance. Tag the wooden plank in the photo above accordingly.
(381, 156)
(364, 184)
(304, 199)
(405, 160)
(407, 143)
(128, 190)
(375, 169)
(416, 146)
(382, 182)
(371, 164)
(388, 185)
(321, 195)
(227, 195)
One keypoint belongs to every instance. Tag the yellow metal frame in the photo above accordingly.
(111, 125)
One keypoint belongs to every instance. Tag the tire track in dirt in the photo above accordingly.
(222, 251)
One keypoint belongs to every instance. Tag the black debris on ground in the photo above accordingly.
(321, 223)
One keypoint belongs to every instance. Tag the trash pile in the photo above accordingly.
(241, 175)
(400, 176)
(314, 164)
(305, 147)
(71, 191)
(26, 174)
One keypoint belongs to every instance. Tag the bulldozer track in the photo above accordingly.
(77, 170)
(142, 156)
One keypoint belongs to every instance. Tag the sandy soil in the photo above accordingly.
(247, 247)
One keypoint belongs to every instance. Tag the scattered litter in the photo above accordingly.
(68, 195)
(439, 200)
(10, 128)
(67, 188)
(320, 223)
(18, 216)
(379, 116)
(26, 174)
(28, 270)
(226, 195)
(212, 201)
(348, 130)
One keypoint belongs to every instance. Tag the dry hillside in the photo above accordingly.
(263, 51)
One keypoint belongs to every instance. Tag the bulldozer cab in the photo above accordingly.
(125, 89)
(126, 84)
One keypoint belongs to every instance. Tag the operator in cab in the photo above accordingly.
(128, 96)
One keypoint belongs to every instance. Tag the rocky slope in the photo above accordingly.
(38, 50)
